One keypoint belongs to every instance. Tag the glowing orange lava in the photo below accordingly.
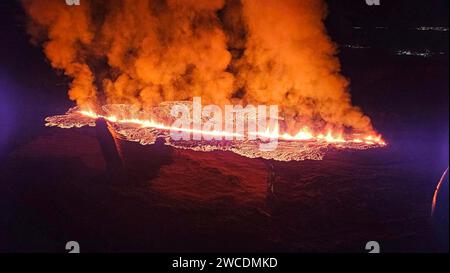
(303, 135)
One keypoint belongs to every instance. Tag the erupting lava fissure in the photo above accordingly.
(146, 126)
(141, 53)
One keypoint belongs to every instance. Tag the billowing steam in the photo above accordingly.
(68, 35)
(142, 52)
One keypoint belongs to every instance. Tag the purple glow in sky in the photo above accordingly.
(7, 113)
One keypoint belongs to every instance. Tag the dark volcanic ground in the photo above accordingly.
(61, 185)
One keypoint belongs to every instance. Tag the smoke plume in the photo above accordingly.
(143, 52)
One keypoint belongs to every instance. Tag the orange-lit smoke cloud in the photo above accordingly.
(289, 60)
(143, 52)
(67, 32)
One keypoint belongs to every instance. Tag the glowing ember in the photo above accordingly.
(146, 127)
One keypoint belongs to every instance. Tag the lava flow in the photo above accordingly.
(134, 127)
(302, 135)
